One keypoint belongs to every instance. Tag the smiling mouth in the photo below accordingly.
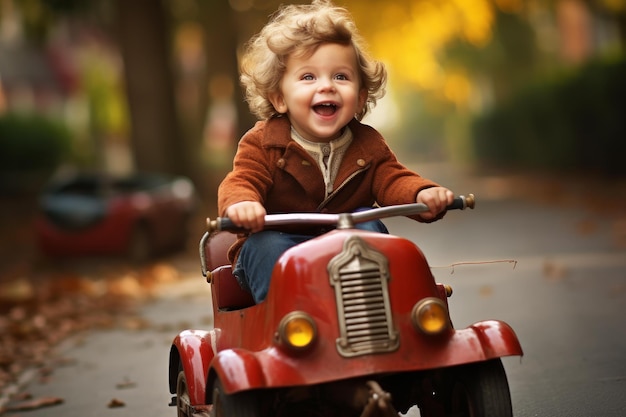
(325, 109)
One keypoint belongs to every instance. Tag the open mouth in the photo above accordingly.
(325, 109)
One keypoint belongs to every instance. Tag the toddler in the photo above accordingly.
(310, 81)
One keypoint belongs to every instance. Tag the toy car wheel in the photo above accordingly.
(244, 404)
(479, 389)
(182, 395)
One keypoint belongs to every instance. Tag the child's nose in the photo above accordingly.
(326, 85)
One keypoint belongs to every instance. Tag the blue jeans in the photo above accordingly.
(261, 250)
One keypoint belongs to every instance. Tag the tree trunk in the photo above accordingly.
(143, 36)
(223, 41)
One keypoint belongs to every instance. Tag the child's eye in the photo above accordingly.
(308, 77)
(342, 77)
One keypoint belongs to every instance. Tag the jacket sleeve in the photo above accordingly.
(250, 177)
(394, 183)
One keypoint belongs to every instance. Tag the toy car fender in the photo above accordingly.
(192, 353)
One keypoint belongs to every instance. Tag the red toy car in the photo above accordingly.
(99, 214)
(354, 324)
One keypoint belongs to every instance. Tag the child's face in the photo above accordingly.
(322, 92)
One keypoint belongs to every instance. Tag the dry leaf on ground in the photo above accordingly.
(35, 404)
(116, 403)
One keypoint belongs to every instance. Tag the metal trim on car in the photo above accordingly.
(360, 277)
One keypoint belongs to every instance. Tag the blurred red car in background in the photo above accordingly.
(136, 216)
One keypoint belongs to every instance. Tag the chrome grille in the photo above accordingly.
(360, 277)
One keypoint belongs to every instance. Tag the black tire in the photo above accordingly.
(479, 390)
(182, 395)
(244, 404)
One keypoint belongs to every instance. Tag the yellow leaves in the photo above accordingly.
(431, 23)
(457, 88)
(420, 30)
(475, 20)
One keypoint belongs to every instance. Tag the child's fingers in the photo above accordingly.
(248, 215)
(436, 199)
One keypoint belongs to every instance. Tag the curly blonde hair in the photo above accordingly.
(301, 29)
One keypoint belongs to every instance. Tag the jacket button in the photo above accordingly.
(360, 162)
(280, 163)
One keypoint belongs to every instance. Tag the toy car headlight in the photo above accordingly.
(297, 330)
(430, 315)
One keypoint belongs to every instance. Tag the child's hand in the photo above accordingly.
(437, 199)
(247, 214)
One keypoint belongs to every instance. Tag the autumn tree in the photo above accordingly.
(156, 140)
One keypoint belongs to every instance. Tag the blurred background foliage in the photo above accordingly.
(43, 144)
(569, 121)
(152, 85)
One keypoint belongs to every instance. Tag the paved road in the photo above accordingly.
(565, 296)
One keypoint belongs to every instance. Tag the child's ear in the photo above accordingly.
(362, 100)
(278, 102)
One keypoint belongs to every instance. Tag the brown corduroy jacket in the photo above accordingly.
(273, 169)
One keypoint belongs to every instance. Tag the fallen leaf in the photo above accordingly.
(22, 396)
(162, 273)
(486, 291)
(126, 286)
(36, 404)
(125, 384)
(554, 270)
(116, 403)
(136, 323)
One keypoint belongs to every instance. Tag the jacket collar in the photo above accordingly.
(277, 131)
(365, 142)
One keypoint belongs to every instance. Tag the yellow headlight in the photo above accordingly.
(430, 315)
(297, 330)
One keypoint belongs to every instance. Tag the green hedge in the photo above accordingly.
(31, 148)
(573, 122)
(32, 143)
